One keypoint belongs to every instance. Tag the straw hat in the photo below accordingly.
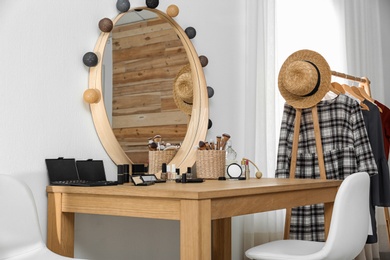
(183, 90)
(304, 79)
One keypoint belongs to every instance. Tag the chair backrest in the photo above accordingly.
(19, 226)
(350, 218)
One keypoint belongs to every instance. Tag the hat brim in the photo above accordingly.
(297, 101)
(183, 78)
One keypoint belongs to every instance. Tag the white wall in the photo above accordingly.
(42, 80)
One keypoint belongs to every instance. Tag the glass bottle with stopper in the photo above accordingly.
(231, 155)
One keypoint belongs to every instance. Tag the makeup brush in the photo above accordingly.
(218, 143)
(212, 145)
(207, 146)
(202, 145)
(152, 146)
(225, 138)
(157, 138)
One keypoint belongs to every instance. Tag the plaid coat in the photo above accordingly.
(346, 150)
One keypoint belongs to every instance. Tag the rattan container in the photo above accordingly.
(210, 164)
(157, 158)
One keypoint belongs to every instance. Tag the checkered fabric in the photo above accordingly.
(346, 150)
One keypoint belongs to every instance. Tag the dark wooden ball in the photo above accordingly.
(210, 124)
(105, 25)
(210, 92)
(191, 32)
(152, 3)
(90, 59)
(203, 60)
(123, 5)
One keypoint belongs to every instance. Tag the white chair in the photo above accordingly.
(347, 234)
(20, 234)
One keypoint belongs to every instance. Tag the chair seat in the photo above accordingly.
(20, 233)
(39, 254)
(286, 249)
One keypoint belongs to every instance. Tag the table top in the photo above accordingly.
(210, 189)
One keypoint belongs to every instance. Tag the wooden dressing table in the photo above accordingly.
(204, 210)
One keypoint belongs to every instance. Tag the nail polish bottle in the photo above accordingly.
(177, 174)
(126, 169)
(189, 174)
(121, 176)
(163, 171)
(168, 172)
(172, 173)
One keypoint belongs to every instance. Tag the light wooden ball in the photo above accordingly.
(92, 96)
(259, 175)
(172, 10)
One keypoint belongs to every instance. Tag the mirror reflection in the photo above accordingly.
(142, 58)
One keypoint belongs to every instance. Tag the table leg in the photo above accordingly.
(60, 227)
(328, 207)
(222, 239)
(195, 229)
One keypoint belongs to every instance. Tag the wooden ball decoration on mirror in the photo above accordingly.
(210, 92)
(203, 60)
(105, 25)
(191, 32)
(152, 3)
(123, 5)
(173, 10)
(92, 96)
(90, 59)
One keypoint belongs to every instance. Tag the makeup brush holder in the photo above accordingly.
(210, 164)
(157, 158)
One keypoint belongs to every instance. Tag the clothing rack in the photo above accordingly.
(346, 76)
(366, 85)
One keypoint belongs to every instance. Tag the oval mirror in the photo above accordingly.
(138, 63)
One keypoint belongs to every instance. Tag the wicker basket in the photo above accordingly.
(157, 158)
(210, 164)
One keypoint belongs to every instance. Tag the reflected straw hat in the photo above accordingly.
(304, 79)
(183, 93)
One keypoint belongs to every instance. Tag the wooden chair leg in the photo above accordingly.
(287, 224)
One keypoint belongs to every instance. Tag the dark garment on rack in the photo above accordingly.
(379, 184)
(385, 117)
(346, 150)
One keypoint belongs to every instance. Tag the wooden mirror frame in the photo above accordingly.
(198, 123)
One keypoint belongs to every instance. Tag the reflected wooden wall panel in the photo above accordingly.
(143, 104)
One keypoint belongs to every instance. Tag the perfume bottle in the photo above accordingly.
(231, 154)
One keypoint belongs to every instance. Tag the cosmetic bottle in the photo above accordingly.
(169, 173)
(243, 168)
(163, 171)
(121, 176)
(247, 170)
(231, 155)
(172, 176)
(126, 174)
(177, 174)
(189, 174)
